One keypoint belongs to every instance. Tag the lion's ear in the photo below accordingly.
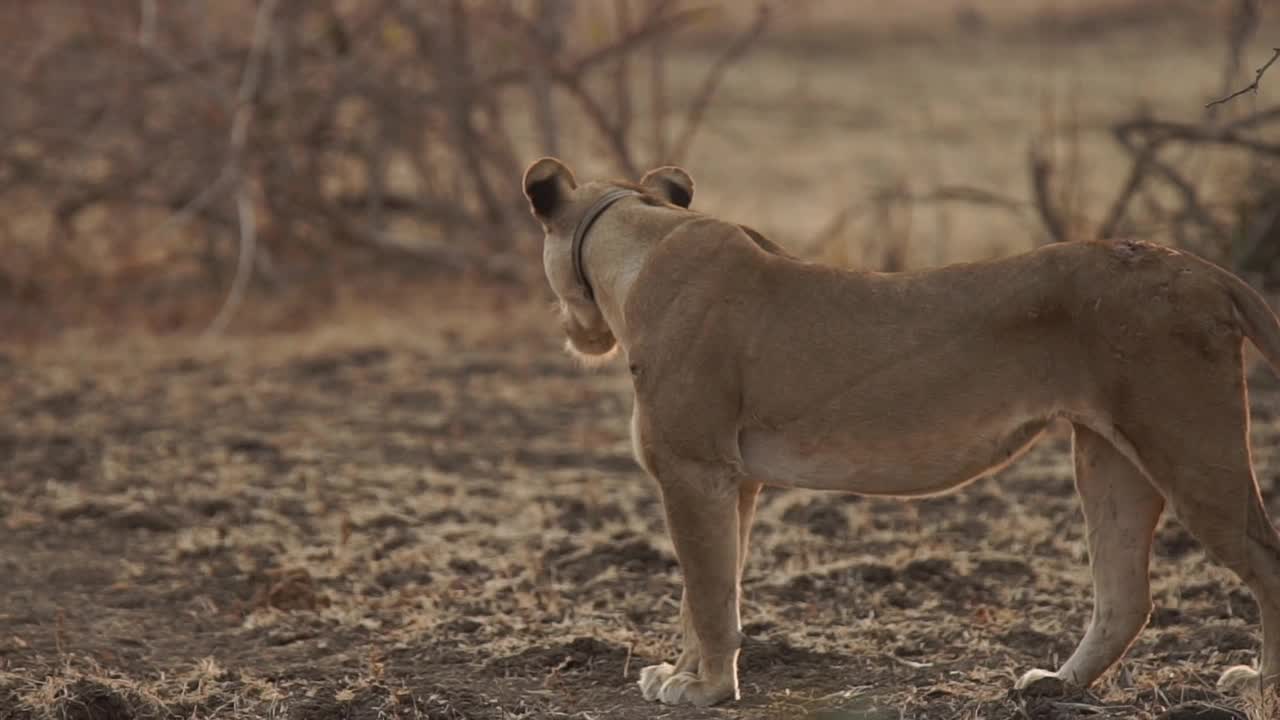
(547, 184)
(670, 183)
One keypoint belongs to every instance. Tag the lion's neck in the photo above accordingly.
(612, 265)
(617, 251)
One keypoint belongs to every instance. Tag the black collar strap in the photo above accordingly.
(584, 225)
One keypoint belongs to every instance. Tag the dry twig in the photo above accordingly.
(1241, 27)
(1251, 87)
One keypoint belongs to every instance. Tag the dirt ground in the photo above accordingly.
(445, 521)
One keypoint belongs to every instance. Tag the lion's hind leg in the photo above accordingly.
(1121, 510)
(1199, 457)
(1257, 563)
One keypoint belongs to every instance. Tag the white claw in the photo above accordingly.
(1239, 679)
(1040, 681)
(676, 688)
(653, 677)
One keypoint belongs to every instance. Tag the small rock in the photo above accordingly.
(288, 636)
(210, 506)
(1167, 616)
(464, 626)
(137, 516)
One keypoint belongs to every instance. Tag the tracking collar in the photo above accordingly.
(584, 226)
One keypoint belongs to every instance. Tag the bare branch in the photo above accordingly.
(611, 132)
(1190, 199)
(1146, 159)
(657, 25)
(246, 95)
(452, 54)
(1041, 173)
(549, 37)
(1120, 206)
(715, 76)
(658, 21)
(195, 205)
(1163, 131)
(1241, 27)
(246, 99)
(1261, 117)
(244, 265)
(1251, 87)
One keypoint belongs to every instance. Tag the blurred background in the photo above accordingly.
(204, 167)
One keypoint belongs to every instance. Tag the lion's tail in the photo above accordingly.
(1256, 317)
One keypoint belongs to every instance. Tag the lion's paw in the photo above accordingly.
(652, 678)
(1041, 683)
(1239, 679)
(688, 688)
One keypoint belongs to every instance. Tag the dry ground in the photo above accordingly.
(433, 520)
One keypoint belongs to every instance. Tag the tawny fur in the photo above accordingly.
(751, 367)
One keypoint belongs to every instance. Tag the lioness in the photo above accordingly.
(751, 367)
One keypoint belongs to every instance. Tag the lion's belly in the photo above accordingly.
(891, 466)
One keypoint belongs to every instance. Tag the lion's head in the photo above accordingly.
(560, 204)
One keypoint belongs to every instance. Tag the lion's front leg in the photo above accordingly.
(701, 503)
(653, 677)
